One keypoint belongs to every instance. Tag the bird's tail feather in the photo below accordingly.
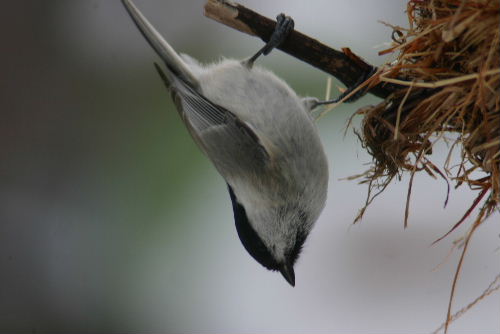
(175, 64)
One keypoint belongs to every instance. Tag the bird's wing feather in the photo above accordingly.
(217, 130)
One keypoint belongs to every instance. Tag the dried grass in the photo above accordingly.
(448, 64)
(494, 286)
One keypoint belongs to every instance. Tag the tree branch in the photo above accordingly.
(343, 65)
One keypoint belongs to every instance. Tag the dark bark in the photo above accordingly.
(343, 65)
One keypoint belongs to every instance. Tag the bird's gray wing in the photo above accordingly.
(227, 140)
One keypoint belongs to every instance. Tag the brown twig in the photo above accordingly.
(343, 65)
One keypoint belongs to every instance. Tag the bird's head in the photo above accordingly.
(276, 240)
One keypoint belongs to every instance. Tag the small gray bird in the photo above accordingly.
(261, 138)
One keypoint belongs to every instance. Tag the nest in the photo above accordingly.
(448, 67)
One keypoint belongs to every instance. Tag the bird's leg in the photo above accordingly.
(366, 75)
(284, 25)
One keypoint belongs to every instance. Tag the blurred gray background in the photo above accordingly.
(111, 220)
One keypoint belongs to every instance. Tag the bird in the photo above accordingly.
(260, 136)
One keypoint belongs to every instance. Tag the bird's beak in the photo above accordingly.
(288, 273)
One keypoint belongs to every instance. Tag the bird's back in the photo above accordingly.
(279, 118)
